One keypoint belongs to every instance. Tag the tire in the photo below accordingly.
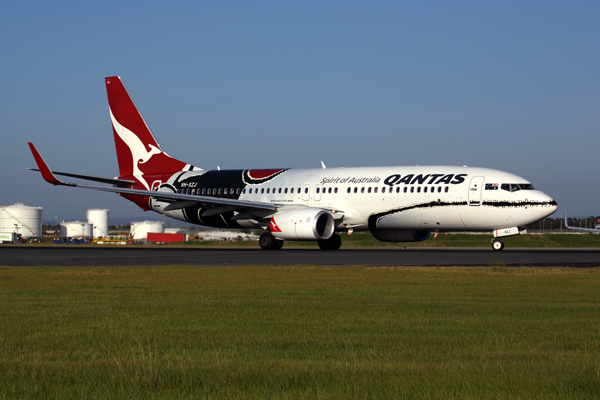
(497, 245)
(278, 244)
(266, 241)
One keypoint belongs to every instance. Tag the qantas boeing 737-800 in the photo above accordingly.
(395, 204)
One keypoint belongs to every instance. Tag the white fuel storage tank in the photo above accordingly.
(19, 218)
(76, 229)
(140, 230)
(98, 218)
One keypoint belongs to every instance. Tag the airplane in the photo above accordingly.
(394, 204)
(595, 230)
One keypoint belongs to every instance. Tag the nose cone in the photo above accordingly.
(543, 205)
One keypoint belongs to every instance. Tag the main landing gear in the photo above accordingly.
(268, 242)
(497, 244)
(333, 243)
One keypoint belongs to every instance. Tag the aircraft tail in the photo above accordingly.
(138, 152)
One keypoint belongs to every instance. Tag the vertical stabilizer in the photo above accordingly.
(138, 152)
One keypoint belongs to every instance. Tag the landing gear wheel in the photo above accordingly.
(267, 241)
(278, 244)
(497, 244)
(333, 243)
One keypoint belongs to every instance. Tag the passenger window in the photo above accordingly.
(225, 191)
(362, 189)
(349, 189)
(419, 189)
(305, 190)
(355, 190)
(317, 190)
(285, 191)
(238, 191)
(439, 189)
(262, 191)
(412, 189)
(335, 191)
(279, 190)
(424, 189)
(369, 190)
(292, 190)
(203, 191)
(329, 190)
(398, 189)
(268, 190)
(193, 191)
(375, 190)
(446, 189)
(219, 190)
(383, 189)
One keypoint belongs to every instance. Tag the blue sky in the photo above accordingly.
(510, 85)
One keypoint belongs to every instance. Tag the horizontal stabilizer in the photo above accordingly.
(111, 181)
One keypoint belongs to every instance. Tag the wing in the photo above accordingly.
(574, 228)
(177, 200)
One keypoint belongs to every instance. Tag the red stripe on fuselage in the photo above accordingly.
(262, 173)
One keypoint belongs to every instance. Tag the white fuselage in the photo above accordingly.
(403, 198)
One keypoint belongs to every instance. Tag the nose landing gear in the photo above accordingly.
(497, 244)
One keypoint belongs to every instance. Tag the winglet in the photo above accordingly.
(46, 172)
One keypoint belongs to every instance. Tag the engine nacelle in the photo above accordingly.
(303, 224)
(400, 236)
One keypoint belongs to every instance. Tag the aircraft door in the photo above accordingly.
(476, 190)
(306, 192)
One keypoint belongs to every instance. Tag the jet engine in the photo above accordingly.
(303, 224)
(400, 236)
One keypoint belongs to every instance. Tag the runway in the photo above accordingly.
(28, 256)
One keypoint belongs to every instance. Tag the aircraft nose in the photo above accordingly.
(548, 205)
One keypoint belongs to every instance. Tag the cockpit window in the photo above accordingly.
(513, 187)
(526, 186)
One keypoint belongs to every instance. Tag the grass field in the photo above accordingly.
(300, 332)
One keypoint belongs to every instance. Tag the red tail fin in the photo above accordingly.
(138, 152)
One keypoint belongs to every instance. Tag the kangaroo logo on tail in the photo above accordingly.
(138, 152)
